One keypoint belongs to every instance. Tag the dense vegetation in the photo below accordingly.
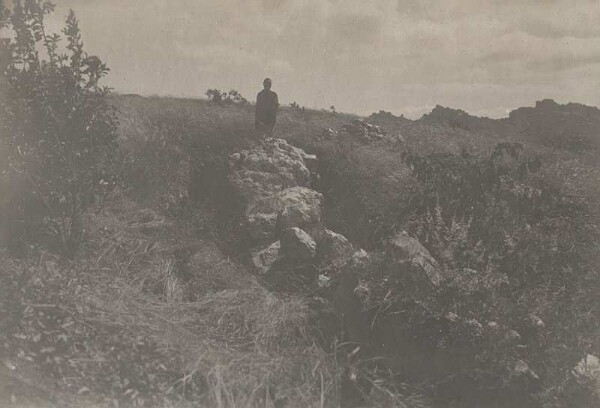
(59, 132)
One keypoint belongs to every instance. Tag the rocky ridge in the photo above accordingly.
(282, 216)
(293, 250)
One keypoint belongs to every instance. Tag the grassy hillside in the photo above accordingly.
(180, 129)
(369, 189)
(158, 310)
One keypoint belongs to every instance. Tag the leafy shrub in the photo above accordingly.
(231, 97)
(59, 132)
(215, 95)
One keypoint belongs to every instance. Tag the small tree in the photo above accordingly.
(59, 130)
(216, 96)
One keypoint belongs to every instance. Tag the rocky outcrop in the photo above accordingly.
(360, 130)
(405, 250)
(291, 207)
(294, 251)
(268, 169)
(587, 371)
(364, 130)
(272, 180)
(297, 245)
(334, 249)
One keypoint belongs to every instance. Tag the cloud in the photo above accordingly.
(564, 62)
(358, 55)
(354, 28)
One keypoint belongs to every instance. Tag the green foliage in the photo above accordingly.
(59, 132)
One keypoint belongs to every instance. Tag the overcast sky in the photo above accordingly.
(483, 56)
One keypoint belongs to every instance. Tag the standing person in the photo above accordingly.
(267, 104)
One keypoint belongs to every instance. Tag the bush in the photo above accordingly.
(234, 96)
(509, 317)
(59, 132)
(515, 247)
(231, 97)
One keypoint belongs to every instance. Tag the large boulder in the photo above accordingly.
(292, 207)
(268, 168)
(297, 245)
(334, 250)
(405, 250)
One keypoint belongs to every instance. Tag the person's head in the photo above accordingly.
(267, 83)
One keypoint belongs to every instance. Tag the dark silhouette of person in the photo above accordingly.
(267, 104)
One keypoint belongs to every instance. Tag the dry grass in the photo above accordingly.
(240, 343)
(244, 345)
(142, 332)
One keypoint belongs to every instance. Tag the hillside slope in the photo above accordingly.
(164, 306)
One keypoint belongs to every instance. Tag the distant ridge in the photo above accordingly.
(572, 126)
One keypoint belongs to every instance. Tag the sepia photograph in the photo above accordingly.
(300, 203)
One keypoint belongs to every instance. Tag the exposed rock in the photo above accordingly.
(360, 258)
(588, 371)
(334, 249)
(297, 245)
(328, 133)
(404, 249)
(365, 130)
(511, 337)
(301, 206)
(324, 282)
(451, 317)
(292, 207)
(263, 259)
(267, 169)
(251, 184)
(475, 328)
(535, 322)
(521, 369)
